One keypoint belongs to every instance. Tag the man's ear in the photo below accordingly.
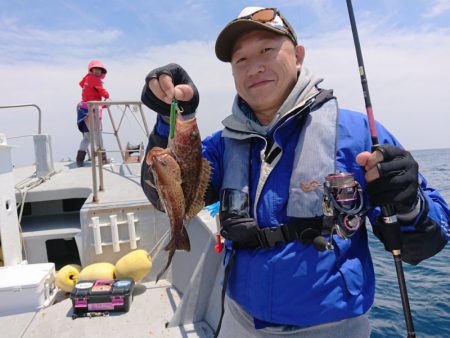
(299, 54)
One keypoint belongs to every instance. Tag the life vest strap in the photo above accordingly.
(303, 230)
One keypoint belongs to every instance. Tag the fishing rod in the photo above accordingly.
(391, 225)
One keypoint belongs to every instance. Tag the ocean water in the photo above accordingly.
(428, 283)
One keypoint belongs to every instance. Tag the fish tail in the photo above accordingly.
(179, 242)
(169, 260)
(183, 242)
(171, 246)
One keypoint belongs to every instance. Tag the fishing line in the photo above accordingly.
(157, 247)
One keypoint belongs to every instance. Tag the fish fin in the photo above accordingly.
(183, 242)
(159, 203)
(169, 260)
(171, 245)
(199, 201)
(150, 184)
(155, 151)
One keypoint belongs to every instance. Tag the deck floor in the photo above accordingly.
(151, 308)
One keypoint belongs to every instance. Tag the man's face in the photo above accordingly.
(265, 67)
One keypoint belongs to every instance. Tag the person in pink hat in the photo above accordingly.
(92, 90)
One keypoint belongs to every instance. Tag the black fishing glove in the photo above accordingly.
(398, 183)
(179, 76)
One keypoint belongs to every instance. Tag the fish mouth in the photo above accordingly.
(154, 154)
(158, 159)
(151, 159)
(187, 118)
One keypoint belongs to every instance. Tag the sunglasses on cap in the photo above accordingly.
(269, 15)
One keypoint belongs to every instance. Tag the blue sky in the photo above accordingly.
(45, 47)
(43, 30)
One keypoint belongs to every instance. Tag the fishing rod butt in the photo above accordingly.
(396, 253)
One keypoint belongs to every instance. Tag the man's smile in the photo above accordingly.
(259, 83)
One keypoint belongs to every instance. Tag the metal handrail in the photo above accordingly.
(96, 148)
(29, 105)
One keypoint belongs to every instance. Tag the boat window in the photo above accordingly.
(73, 204)
(26, 209)
(62, 252)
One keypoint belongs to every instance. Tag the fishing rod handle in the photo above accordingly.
(388, 214)
(390, 222)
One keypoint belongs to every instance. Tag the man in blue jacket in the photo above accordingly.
(293, 266)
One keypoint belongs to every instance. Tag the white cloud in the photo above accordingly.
(55, 89)
(406, 73)
(437, 7)
(20, 42)
(406, 76)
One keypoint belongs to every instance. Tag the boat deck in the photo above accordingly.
(59, 216)
(188, 299)
(152, 307)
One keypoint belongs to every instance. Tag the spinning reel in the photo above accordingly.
(342, 205)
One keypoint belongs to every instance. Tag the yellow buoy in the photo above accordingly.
(136, 265)
(98, 271)
(67, 277)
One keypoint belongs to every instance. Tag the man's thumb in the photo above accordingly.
(362, 158)
(184, 92)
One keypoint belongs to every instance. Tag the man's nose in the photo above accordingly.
(256, 68)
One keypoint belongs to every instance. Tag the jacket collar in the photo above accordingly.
(242, 118)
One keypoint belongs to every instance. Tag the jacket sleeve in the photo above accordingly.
(100, 89)
(426, 234)
(429, 232)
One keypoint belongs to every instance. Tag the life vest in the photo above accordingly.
(308, 224)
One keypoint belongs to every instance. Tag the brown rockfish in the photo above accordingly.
(181, 178)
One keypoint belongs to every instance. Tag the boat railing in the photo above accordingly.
(39, 130)
(126, 108)
(42, 144)
(96, 140)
